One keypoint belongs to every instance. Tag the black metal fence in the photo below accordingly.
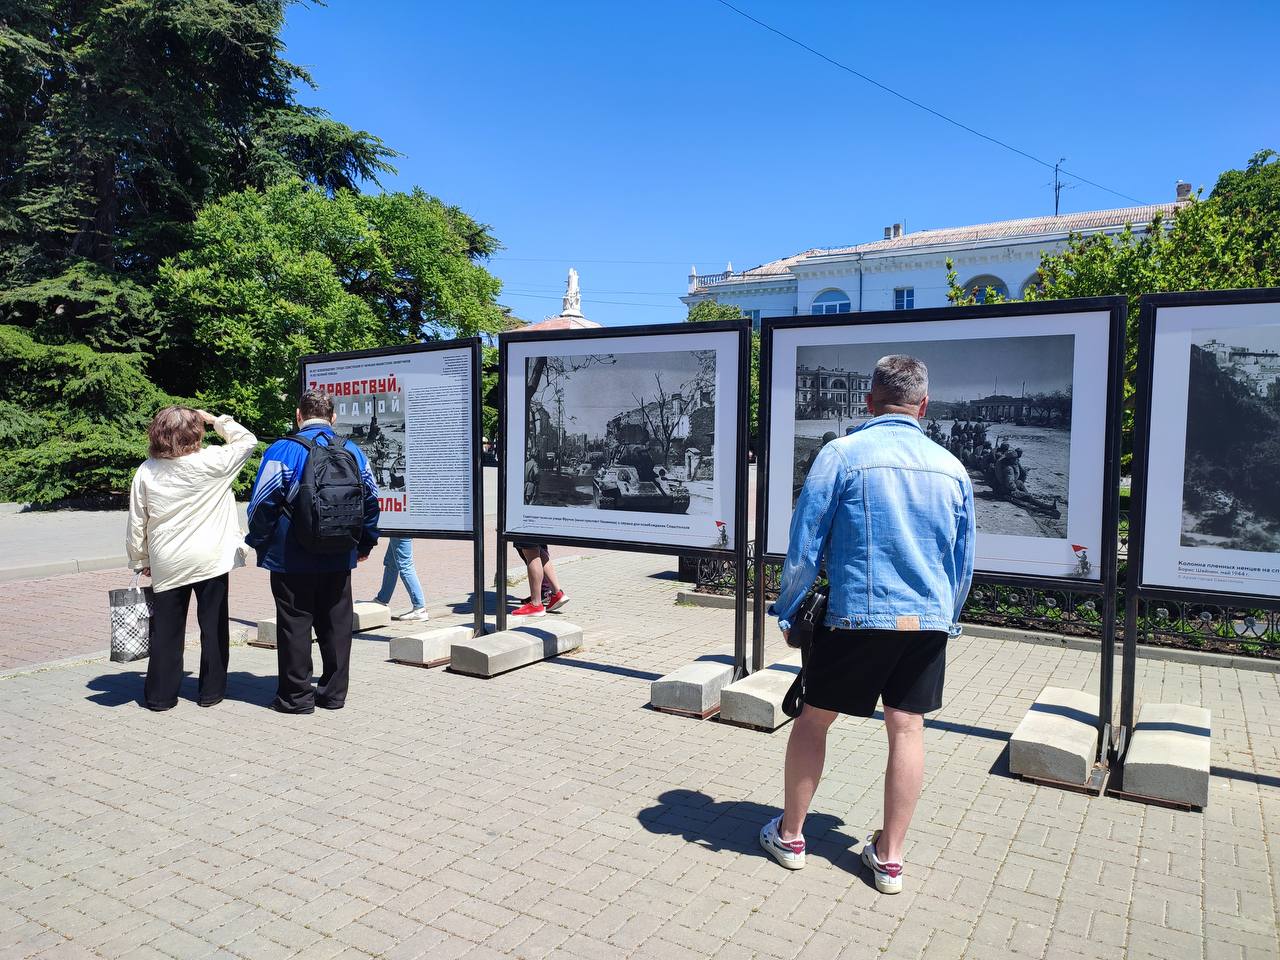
(1194, 626)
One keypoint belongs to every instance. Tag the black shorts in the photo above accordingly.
(849, 670)
(539, 548)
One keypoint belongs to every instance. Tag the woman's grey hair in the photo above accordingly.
(900, 380)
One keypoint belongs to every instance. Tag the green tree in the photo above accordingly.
(72, 420)
(706, 311)
(273, 275)
(1254, 191)
(1225, 242)
(120, 118)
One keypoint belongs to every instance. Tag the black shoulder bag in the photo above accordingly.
(812, 612)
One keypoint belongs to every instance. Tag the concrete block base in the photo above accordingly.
(367, 616)
(694, 689)
(266, 636)
(497, 653)
(756, 701)
(1168, 755)
(429, 648)
(1058, 738)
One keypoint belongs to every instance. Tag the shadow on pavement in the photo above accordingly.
(468, 605)
(1245, 776)
(734, 826)
(119, 689)
(604, 668)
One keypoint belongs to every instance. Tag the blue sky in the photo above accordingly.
(633, 140)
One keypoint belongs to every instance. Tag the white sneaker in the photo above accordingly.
(789, 853)
(888, 875)
(417, 613)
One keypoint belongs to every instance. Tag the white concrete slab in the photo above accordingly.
(497, 653)
(1169, 753)
(756, 700)
(429, 648)
(266, 636)
(1058, 738)
(694, 688)
(366, 615)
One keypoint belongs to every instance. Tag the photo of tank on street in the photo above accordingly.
(1002, 406)
(621, 431)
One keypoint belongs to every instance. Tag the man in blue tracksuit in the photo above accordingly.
(311, 589)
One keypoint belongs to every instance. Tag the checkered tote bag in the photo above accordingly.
(130, 622)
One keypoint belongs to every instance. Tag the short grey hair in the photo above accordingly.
(900, 380)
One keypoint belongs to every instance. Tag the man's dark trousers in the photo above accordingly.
(304, 600)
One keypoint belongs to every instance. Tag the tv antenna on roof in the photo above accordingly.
(1058, 185)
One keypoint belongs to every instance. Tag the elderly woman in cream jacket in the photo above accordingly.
(184, 532)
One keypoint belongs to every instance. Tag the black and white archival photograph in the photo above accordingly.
(1211, 518)
(626, 432)
(376, 424)
(624, 439)
(1231, 474)
(1002, 406)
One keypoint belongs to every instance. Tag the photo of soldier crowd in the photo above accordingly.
(626, 431)
(1002, 406)
(376, 424)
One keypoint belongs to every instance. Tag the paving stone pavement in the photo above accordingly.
(77, 603)
(549, 813)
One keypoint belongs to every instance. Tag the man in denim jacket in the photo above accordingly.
(892, 513)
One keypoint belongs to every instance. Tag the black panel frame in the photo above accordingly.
(476, 534)
(1105, 586)
(737, 553)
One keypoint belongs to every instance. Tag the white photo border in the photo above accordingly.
(997, 554)
(661, 532)
(1166, 563)
(464, 526)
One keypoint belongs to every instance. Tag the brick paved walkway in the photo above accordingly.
(59, 617)
(549, 813)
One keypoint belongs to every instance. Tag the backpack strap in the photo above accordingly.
(305, 441)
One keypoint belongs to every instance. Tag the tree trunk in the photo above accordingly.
(104, 220)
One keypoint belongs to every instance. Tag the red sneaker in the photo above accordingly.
(530, 610)
(556, 601)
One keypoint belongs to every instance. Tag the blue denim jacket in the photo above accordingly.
(893, 513)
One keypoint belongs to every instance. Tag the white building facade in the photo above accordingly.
(906, 271)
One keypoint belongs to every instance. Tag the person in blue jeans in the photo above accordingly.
(398, 564)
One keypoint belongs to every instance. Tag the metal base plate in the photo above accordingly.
(430, 663)
(705, 715)
(1094, 786)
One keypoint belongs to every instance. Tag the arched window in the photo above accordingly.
(831, 301)
(978, 287)
(1033, 283)
(837, 385)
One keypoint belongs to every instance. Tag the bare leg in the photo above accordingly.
(903, 778)
(533, 561)
(549, 571)
(806, 753)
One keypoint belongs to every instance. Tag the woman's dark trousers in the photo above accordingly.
(168, 636)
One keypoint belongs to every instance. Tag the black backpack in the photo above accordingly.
(327, 515)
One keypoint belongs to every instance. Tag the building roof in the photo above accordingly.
(1025, 227)
(563, 323)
